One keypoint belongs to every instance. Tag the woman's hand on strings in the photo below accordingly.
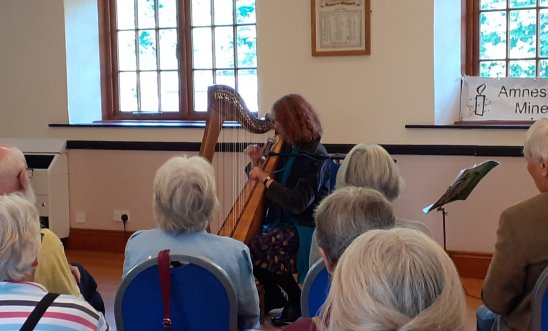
(258, 175)
(254, 152)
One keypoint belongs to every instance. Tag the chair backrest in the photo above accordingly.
(539, 303)
(334, 166)
(315, 289)
(202, 297)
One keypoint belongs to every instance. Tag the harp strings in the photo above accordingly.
(239, 208)
(230, 162)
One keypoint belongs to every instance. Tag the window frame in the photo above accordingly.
(109, 64)
(471, 34)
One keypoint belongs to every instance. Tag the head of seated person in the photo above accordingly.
(535, 150)
(185, 197)
(13, 173)
(396, 279)
(19, 238)
(344, 215)
(370, 165)
(20, 243)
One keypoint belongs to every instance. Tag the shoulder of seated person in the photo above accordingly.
(48, 232)
(48, 235)
(136, 233)
(233, 242)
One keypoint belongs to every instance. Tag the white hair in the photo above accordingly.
(12, 164)
(19, 237)
(348, 212)
(370, 165)
(535, 147)
(185, 197)
(397, 279)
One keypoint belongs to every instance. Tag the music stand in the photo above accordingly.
(460, 189)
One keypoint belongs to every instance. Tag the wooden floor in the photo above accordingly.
(106, 267)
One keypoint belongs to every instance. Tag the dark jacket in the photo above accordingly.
(307, 185)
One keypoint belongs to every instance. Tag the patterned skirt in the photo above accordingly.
(275, 250)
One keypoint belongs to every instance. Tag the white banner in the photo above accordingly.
(503, 99)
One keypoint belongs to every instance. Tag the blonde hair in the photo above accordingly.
(397, 279)
(370, 165)
(19, 237)
(185, 197)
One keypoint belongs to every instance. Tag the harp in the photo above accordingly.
(225, 104)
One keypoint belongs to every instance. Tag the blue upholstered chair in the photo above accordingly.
(539, 303)
(200, 290)
(315, 289)
(334, 166)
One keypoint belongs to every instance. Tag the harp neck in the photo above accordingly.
(225, 104)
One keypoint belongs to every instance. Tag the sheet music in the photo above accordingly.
(463, 184)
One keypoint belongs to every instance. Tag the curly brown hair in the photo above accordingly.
(298, 118)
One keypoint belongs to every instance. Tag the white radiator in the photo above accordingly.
(48, 173)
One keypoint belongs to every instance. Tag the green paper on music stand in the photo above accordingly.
(463, 185)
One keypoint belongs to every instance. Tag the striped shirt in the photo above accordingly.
(66, 313)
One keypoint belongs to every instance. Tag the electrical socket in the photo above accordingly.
(117, 215)
(80, 217)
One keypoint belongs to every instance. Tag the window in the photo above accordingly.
(507, 38)
(160, 56)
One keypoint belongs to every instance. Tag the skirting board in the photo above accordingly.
(469, 264)
(98, 240)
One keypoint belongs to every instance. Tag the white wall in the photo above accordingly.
(471, 225)
(102, 181)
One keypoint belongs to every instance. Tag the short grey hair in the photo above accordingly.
(370, 165)
(535, 147)
(397, 279)
(347, 213)
(19, 237)
(185, 197)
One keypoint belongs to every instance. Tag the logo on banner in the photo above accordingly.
(480, 101)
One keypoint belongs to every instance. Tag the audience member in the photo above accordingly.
(341, 217)
(370, 165)
(297, 186)
(521, 249)
(397, 279)
(184, 202)
(53, 271)
(19, 250)
(344, 215)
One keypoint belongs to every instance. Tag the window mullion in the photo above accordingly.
(235, 41)
(507, 60)
(181, 56)
(537, 40)
(158, 50)
(213, 42)
(186, 83)
(137, 59)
